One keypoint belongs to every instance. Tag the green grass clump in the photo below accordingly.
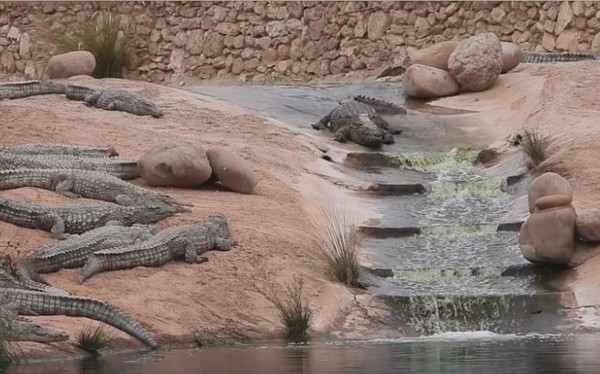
(294, 312)
(104, 38)
(337, 242)
(93, 339)
(535, 147)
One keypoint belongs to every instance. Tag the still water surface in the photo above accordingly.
(447, 353)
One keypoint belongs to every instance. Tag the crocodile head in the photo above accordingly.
(218, 223)
(152, 211)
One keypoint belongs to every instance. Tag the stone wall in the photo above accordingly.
(263, 41)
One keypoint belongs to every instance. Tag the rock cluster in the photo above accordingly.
(549, 234)
(189, 165)
(473, 64)
(261, 41)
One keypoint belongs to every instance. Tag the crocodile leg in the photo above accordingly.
(224, 245)
(322, 123)
(55, 223)
(117, 105)
(341, 135)
(388, 138)
(64, 188)
(92, 98)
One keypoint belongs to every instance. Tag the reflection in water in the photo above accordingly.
(447, 353)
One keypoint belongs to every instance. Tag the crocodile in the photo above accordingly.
(185, 242)
(113, 99)
(33, 303)
(359, 120)
(63, 219)
(76, 183)
(120, 168)
(61, 149)
(73, 251)
(18, 90)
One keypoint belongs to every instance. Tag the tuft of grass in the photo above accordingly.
(104, 38)
(7, 332)
(535, 147)
(94, 339)
(294, 312)
(337, 244)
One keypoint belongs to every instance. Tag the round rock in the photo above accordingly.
(476, 63)
(435, 56)
(70, 64)
(175, 165)
(231, 170)
(426, 82)
(548, 184)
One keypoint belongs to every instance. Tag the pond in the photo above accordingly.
(449, 353)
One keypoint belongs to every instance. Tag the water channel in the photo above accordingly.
(457, 281)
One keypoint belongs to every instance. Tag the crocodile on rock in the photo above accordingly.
(63, 219)
(120, 168)
(185, 242)
(73, 251)
(113, 99)
(61, 149)
(359, 120)
(17, 90)
(33, 303)
(76, 183)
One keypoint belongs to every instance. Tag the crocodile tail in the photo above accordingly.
(553, 57)
(381, 106)
(38, 303)
(92, 266)
(392, 71)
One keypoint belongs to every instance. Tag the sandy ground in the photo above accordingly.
(226, 296)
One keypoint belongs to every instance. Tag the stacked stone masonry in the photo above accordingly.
(286, 41)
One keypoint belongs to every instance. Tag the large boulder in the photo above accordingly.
(435, 56)
(548, 235)
(511, 56)
(476, 63)
(70, 64)
(428, 82)
(182, 164)
(231, 170)
(548, 184)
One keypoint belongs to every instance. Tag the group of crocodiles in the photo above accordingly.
(359, 119)
(114, 234)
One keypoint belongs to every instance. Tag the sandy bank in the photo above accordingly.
(224, 297)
